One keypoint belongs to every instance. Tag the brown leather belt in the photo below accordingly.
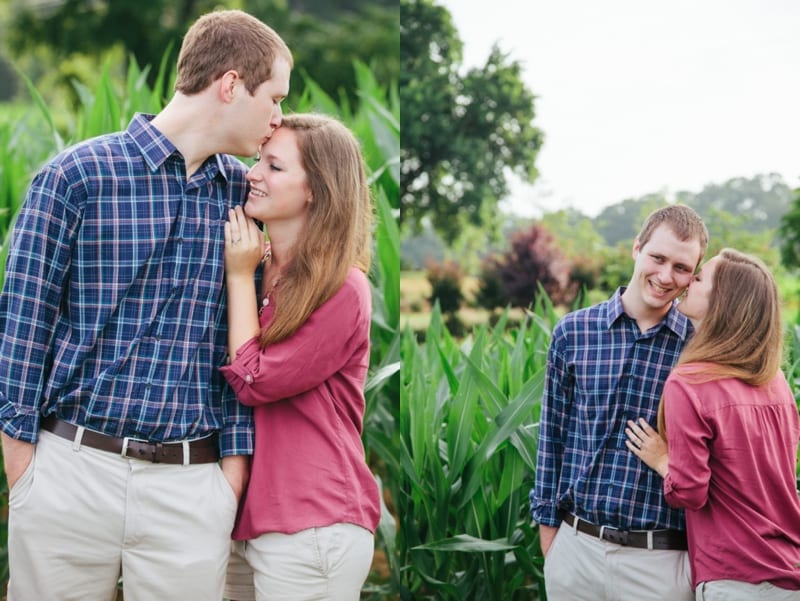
(203, 450)
(674, 540)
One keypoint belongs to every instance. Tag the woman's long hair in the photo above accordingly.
(741, 335)
(338, 234)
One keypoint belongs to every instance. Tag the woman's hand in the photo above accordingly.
(244, 244)
(647, 445)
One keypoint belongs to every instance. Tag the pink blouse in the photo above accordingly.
(309, 469)
(732, 462)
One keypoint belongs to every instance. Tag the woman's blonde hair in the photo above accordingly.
(226, 40)
(338, 233)
(741, 335)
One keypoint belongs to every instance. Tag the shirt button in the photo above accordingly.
(248, 378)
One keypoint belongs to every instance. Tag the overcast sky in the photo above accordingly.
(636, 97)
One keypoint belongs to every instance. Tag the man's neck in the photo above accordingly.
(645, 317)
(187, 122)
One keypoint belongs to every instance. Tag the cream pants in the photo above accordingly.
(319, 564)
(581, 567)
(79, 519)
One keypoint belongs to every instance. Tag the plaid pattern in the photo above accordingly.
(601, 372)
(113, 308)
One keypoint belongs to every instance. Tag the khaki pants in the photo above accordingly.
(319, 564)
(79, 519)
(734, 590)
(580, 567)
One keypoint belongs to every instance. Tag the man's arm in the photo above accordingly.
(550, 450)
(17, 456)
(236, 469)
(546, 536)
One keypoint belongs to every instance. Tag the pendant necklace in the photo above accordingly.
(266, 298)
(268, 293)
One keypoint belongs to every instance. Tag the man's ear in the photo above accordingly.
(227, 85)
(636, 248)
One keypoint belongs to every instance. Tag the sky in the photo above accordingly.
(637, 97)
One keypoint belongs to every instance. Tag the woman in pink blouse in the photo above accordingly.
(730, 422)
(299, 353)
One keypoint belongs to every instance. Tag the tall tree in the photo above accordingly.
(762, 198)
(790, 234)
(462, 134)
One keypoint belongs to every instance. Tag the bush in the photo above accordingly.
(533, 261)
(446, 281)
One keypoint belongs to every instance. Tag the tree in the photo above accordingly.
(461, 134)
(790, 234)
(514, 278)
(144, 29)
(622, 221)
(324, 49)
(762, 198)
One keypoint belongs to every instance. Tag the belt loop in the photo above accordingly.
(575, 521)
(124, 451)
(76, 442)
(185, 447)
(650, 540)
(602, 532)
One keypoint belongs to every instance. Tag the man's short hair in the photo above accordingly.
(226, 40)
(684, 222)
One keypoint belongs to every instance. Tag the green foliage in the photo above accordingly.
(446, 281)
(621, 222)
(735, 211)
(461, 134)
(143, 29)
(61, 42)
(617, 267)
(763, 198)
(464, 466)
(790, 233)
(730, 230)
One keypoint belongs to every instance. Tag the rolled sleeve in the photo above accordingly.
(322, 346)
(689, 474)
(20, 426)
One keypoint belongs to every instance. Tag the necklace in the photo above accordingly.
(268, 293)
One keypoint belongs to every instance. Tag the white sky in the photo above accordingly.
(636, 97)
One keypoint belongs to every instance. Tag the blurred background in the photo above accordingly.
(536, 139)
(57, 43)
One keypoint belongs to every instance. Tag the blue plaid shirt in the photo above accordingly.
(601, 372)
(112, 313)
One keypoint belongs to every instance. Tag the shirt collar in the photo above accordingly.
(156, 147)
(674, 319)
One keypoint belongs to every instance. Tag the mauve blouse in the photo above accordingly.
(309, 469)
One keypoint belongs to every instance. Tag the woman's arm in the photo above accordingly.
(244, 249)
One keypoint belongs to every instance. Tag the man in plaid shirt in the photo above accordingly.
(605, 528)
(112, 328)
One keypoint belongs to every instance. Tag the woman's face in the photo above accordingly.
(695, 304)
(278, 184)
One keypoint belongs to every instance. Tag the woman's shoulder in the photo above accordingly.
(357, 281)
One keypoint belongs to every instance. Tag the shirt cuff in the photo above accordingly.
(237, 439)
(24, 427)
(240, 373)
(546, 515)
